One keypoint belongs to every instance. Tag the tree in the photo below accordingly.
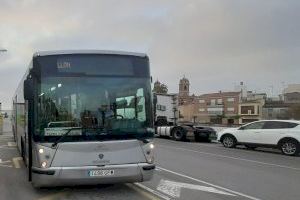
(160, 88)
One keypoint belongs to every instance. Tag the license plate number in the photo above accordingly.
(101, 172)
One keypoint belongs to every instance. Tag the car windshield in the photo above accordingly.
(97, 104)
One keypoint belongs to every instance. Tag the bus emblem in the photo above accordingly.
(101, 156)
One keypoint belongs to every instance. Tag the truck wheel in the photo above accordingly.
(197, 137)
(178, 134)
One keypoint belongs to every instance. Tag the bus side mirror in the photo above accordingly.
(28, 89)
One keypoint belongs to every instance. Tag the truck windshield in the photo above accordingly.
(98, 104)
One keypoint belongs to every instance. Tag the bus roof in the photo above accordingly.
(61, 52)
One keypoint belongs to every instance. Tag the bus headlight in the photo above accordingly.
(41, 151)
(151, 146)
(44, 164)
(148, 152)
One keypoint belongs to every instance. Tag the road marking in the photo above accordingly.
(6, 136)
(173, 188)
(5, 163)
(235, 158)
(142, 191)
(6, 147)
(11, 144)
(17, 161)
(1, 162)
(152, 191)
(9, 166)
(210, 184)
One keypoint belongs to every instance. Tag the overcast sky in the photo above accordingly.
(214, 43)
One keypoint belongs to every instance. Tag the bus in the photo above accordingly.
(85, 117)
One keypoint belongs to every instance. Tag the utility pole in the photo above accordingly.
(2, 51)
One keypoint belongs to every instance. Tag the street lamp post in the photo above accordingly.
(3, 50)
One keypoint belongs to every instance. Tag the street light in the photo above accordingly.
(3, 50)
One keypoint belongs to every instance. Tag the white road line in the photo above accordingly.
(5, 163)
(173, 188)
(11, 144)
(7, 147)
(2, 162)
(6, 136)
(9, 166)
(236, 158)
(213, 185)
(16, 162)
(152, 191)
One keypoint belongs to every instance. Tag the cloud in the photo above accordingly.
(215, 43)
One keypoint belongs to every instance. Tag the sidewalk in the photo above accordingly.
(5, 126)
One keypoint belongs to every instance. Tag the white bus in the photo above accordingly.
(85, 117)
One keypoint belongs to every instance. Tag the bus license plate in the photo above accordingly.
(101, 172)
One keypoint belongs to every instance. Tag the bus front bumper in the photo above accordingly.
(72, 176)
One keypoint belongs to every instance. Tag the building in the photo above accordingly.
(187, 113)
(276, 110)
(218, 108)
(251, 107)
(251, 96)
(291, 94)
(184, 92)
(242, 88)
(250, 110)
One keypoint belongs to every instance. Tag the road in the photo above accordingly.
(185, 170)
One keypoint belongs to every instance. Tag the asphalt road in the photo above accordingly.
(185, 170)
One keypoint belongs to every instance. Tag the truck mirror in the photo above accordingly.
(28, 89)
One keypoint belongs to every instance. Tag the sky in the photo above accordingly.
(214, 43)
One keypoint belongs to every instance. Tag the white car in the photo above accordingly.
(282, 134)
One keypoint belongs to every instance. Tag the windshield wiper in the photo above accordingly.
(71, 129)
(65, 135)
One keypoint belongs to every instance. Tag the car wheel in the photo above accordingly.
(178, 134)
(250, 147)
(229, 141)
(289, 147)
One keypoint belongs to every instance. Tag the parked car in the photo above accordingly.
(281, 134)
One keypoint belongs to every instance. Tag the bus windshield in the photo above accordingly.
(102, 105)
(114, 104)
